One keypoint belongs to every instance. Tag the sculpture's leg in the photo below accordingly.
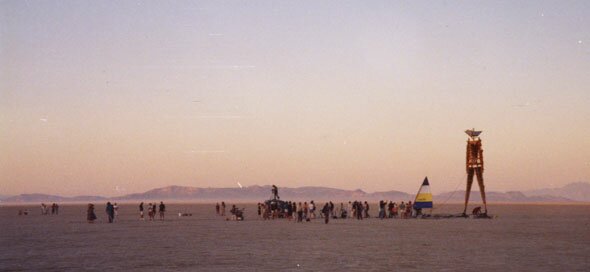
(468, 190)
(482, 189)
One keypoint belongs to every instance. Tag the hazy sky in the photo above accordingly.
(115, 97)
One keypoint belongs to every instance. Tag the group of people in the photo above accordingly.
(236, 213)
(305, 211)
(45, 209)
(220, 209)
(152, 209)
(112, 211)
(401, 210)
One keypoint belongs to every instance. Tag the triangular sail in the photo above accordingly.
(424, 197)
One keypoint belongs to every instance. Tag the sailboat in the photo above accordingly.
(423, 198)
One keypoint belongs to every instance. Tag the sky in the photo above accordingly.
(116, 97)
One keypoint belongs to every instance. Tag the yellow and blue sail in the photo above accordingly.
(424, 196)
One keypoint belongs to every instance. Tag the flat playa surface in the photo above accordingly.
(522, 238)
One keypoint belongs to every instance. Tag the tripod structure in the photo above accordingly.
(474, 167)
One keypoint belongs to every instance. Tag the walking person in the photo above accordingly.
(162, 210)
(110, 212)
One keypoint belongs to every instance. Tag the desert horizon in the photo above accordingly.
(430, 135)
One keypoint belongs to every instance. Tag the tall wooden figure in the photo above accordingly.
(474, 166)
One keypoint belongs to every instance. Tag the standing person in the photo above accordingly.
(299, 212)
(90, 215)
(217, 208)
(259, 210)
(222, 208)
(326, 212)
(305, 211)
(110, 212)
(312, 210)
(275, 192)
(390, 209)
(349, 210)
(359, 210)
(331, 208)
(265, 212)
(150, 211)
(367, 210)
(402, 210)
(381, 209)
(53, 209)
(162, 210)
(141, 211)
(116, 209)
(56, 209)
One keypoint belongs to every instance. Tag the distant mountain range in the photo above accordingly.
(579, 191)
(572, 192)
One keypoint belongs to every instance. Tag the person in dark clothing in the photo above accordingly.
(390, 209)
(326, 212)
(275, 192)
(162, 210)
(331, 206)
(259, 210)
(90, 215)
(110, 212)
(359, 213)
(382, 209)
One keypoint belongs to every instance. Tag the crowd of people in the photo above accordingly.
(272, 209)
(304, 211)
